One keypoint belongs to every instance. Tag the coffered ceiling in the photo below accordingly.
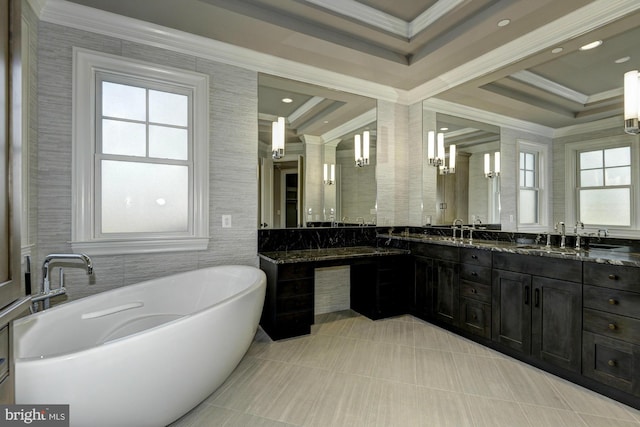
(516, 58)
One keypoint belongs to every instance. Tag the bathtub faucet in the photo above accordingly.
(46, 293)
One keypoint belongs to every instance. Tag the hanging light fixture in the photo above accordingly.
(436, 153)
(361, 149)
(329, 174)
(488, 173)
(631, 102)
(277, 138)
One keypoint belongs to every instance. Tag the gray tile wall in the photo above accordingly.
(233, 162)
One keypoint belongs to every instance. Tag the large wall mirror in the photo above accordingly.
(468, 192)
(321, 127)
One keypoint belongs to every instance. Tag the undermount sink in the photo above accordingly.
(609, 247)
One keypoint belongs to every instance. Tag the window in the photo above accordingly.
(141, 141)
(604, 186)
(529, 190)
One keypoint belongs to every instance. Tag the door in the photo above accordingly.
(556, 322)
(511, 317)
(445, 291)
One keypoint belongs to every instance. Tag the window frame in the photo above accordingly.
(572, 151)
(543, 183)
(87, 66)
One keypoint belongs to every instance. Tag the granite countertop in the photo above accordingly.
(602, 256)
(327, 254)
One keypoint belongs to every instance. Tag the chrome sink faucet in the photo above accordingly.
(46, 292)
(457, 222)
(561, 227)
(577, 233)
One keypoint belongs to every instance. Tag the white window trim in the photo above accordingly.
(571, 165)
(544, 183)
(83, 239)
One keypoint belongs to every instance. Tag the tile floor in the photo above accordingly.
(352, 371)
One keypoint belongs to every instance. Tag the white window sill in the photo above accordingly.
(121, 247)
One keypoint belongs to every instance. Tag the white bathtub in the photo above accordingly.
(142, 355)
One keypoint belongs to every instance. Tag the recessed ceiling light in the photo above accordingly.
(504, 22)
(622, 60)
(557, 50)
(287, 100)
(326, 122)
(591, 45)
(444, 128)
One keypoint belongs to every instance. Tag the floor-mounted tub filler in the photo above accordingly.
(141, 355)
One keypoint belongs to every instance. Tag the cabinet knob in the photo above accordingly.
(613, 277)
(474, 317)
(611, 363)
(474, 273)
(612, 326)
(474, 256)
(474, 291)
(612, 301)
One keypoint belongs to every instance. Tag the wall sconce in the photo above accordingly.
(488, 173)
(361, 149)
(631, 102)
(436, 153)
(329, 174)
(277, 138)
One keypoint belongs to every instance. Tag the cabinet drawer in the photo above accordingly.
(290, 288)
(612, 362)
(295, 271)
(553, 268)
(612, 301)
(612, 325)
(475, 273)
(476, 317)
(476, 257)
(612, 276)
(429, 250)
(302, 302)
(476, 291)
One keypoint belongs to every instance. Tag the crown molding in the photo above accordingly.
(608, 123)
(441, 106)
(352, 125)
(581, 21)
(85, 18)
(550, 86)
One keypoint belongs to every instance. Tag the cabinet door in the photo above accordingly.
(556, 322)
(511, 310)
(422, 298)
(445, 291)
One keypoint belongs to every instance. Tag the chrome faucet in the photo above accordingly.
(561, 227)
(46, 292)
(576, 232)
(457, 222)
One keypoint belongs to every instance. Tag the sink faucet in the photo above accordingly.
(575, 231)
(46, 292)
(457, 222)
(561, 227)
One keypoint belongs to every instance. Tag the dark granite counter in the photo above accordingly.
(602, 256)
(328, 254)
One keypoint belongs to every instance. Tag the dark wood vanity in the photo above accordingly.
(576, 315)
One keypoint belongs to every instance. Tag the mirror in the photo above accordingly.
(321, 125)
(467, 193)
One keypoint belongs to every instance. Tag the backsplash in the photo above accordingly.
(315, 238)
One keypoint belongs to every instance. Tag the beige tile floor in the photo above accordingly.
(352, 371)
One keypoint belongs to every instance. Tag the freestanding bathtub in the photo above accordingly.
(141, 355)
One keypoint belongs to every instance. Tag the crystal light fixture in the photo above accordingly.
(631, 102)
(488, 173)
(329, 174)
(436, 153)
(361, 149)
(277, 138)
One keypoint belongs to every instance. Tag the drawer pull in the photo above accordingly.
(474, 317)
(474, 291)
(474, 274)
(612, 326)
(613, 277)
(612, 301)
(611, 363)
(474, 256)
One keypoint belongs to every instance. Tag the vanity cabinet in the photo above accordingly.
(536, 307)
(611, 337)
(289, 299)
(437, 285)
(475, 291)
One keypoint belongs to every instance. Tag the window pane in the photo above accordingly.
(168, 143)
(529, 179)
(143, 197)
(168, 108)
(618, 176)
(530, 158)
(596, 206)
(528, 207)
(522, 181)
(123, 101)
(617, 157)
(591, 178)
(521, 160)
(125, 138)
(591, 159)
